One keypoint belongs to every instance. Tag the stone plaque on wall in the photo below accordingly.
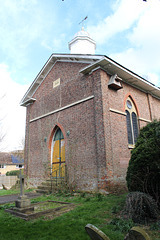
(56, 83)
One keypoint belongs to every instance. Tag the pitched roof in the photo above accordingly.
(87, 58)
(7, 158)
(128, 76)
(94, 62)
(17, 160)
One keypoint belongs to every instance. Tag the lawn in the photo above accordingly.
(9, 192)
(94, 209)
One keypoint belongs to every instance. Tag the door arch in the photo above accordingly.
(58, 154)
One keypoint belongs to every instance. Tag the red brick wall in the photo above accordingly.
(79, 120)
(96, 150)
(116, 142)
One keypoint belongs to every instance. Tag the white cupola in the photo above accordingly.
(82, 43)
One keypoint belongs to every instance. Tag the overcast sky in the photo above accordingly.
(128, 31)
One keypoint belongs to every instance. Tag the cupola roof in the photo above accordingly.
(82, 43)
(82, 33)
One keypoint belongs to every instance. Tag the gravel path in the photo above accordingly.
(12, 198)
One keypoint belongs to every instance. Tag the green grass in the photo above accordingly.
(9, 192)
(93, 209)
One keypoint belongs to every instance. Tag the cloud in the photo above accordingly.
(22, 23)
(13, 116)
(137, 23)
(143, 55)
(125, 15)
(136, 61)
(54, 44)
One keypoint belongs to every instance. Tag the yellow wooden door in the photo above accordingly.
(58, 157)
(62, 158)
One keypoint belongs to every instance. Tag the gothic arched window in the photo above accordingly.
(132, 122)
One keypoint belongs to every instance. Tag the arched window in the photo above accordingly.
(132, 122)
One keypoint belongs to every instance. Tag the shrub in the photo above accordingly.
(143, 172)
(122, 224)
(13, 173)
(140, 207)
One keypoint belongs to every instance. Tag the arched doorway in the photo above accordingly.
(58, 154)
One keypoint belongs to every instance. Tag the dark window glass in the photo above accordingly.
(129, 129)
(135, 126)
(58, 135)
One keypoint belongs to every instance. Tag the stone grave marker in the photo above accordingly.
(137, 233)
(22, 201)
(95, 233)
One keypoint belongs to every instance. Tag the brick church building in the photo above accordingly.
(84, 112)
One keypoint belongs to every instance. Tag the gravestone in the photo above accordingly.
(22, 201)
(95, 233)
(137, 233)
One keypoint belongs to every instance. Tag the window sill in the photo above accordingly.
(131, 146)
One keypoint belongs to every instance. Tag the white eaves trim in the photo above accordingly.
(95, 62)
(111, 67)
(81, 58)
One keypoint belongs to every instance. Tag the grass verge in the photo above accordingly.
(101, 211)
(9, 192)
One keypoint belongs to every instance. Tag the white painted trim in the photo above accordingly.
(145, 120)
(78, 58)
(117, 111)
(131, 146)
(95, 69)
(123, 113)
(39, 84)
(123, 73)
(63, 108)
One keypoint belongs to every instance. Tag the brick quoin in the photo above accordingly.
(96, 148)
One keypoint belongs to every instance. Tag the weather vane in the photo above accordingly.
(82, 22)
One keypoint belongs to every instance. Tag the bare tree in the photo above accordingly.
(2, 118)
(2, 135)
(21, 147)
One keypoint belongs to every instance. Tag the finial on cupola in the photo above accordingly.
(82, 43)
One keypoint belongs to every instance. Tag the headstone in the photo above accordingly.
(102, 191)
(95, 233)
(22, 201)
(137, 233)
